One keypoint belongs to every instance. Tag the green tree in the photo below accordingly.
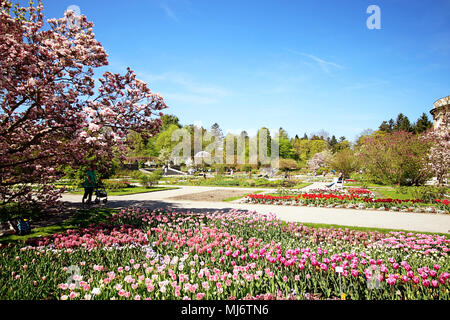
(286, 150)
(306, 149)
(287, 165)
(387, 126)
(422, 124)
(344, 161)
(165, 156)
(168, 120)
(164, 139)
(332, 143)
(402, 123)
(265, 132)
(395, 158)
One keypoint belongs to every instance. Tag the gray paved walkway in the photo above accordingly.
(349, 217)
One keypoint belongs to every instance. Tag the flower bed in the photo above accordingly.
(224, 255)
(353, 198)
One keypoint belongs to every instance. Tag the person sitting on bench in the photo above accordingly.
(339, 180)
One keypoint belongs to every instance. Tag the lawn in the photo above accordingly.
(80, 219)
(366, 229)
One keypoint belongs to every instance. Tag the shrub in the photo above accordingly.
(321, 170)
(428, 193)
(115, 185)
(396, 158)
(149, 180)
(344, 161)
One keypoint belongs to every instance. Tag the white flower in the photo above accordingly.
(96, 291)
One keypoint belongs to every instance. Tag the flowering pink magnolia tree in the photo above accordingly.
(53, 113)
(319, 160)
(439, 155)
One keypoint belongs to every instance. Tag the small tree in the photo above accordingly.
(319, 160)
(164, 156)
(395, 158)
(344, 161)
(287, 165)
(149, 180)
(439, 155)
(53, 114)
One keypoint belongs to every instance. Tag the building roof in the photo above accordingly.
(439, 103)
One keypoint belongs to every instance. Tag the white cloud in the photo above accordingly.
(323, 64)
(188, 91)
(168, 11)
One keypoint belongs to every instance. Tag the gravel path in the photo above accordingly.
(183, 199)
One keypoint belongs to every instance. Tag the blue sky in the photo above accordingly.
(304, 65)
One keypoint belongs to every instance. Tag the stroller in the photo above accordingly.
(100, 192)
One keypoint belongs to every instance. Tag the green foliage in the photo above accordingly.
(116, 185)
(402, 123)
(164, 156)
(422, 124)
(321, 170)
(226, 181)
(13, 210)
(164, 139)
(344, 161)
(306, 149)
(287, 165)
(395, 158)
(149, 180)
(429, 193)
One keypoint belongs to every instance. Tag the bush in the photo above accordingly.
(344, 161)
(321, 170)
(13, 210)
(149, 180)
(116, 185)
(395, 158)
(428, 193)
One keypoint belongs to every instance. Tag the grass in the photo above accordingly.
(80, 219)
(394, 194)
(133, 190)
(302, 185)
(382, 230)
(364, 185)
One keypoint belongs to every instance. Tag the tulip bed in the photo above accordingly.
(352, 198)
(140, 254)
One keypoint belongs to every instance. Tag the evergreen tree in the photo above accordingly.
(168, 120)
(402, 123)
(332, 144)
(422, 124)
(216, 131)
(387, 126)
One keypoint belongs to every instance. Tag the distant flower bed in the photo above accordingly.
(353, 198)
(140, 254)
(116, 184)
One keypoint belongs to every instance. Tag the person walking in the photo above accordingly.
(90, 182)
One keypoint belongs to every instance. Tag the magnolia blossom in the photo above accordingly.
(53, 113)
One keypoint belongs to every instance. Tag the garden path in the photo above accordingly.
(350, 217)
